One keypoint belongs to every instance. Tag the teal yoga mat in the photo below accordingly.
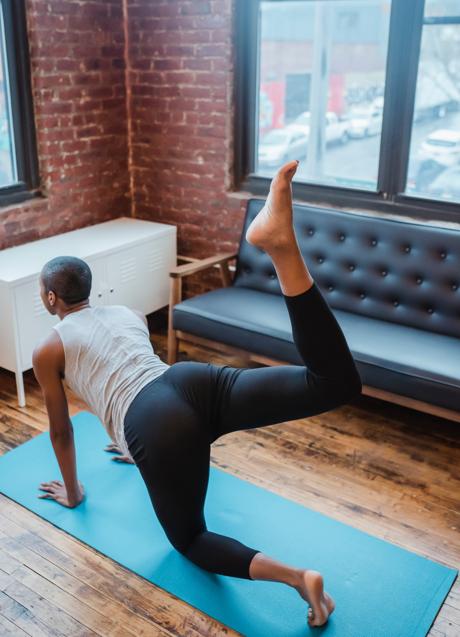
(380, 590)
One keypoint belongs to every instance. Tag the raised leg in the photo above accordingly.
(272, 230)
(256, 397)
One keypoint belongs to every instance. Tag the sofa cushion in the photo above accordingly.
(401, 359)
(394, 270)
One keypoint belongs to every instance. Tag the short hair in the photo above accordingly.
(68, 277)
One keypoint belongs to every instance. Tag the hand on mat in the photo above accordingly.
(56, 491)
(114, 448)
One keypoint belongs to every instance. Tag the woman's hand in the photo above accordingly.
(56, 491)
(114, 448)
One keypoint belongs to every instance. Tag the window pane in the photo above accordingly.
(442, 8)
(435, 145)
(7, 157)
(322, 80)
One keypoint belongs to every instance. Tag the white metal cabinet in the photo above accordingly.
(32, 319)
(98, 294)
(127, 271)
(129, 259)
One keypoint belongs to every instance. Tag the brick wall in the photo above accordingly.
(180, 67)
(78, 83)
(180, 107)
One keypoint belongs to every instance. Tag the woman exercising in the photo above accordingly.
(165, 417)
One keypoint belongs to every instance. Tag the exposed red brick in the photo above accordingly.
(78, 85)
(177, 68)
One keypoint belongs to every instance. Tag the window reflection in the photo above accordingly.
(322, 80)
(434, 162)
(7, 160)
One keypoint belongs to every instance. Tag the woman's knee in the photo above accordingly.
(354, 385)
(183, 534)
(178, 539)
(189, 547)
(342, 388)
(181, 545)
(349, 386)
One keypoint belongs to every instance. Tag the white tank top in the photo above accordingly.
(108, 360)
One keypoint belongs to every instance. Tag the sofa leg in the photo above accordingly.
(175, 296)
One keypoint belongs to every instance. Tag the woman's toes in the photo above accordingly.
(289, 167)
(316, 620)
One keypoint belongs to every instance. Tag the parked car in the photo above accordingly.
(446, 185)
(336, 129)
(443, 146)
(422, 172)
(282, 144)
(365, 121)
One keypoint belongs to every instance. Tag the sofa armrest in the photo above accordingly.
(175, 291)
(201, 264)
(177, 273)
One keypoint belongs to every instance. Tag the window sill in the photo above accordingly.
(12, 199)
(401, 208)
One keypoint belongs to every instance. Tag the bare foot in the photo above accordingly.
(272, 227)
(311, 589)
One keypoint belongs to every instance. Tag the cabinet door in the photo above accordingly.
(100, 284)
(159, 257)
(138, 276)
(33, 320)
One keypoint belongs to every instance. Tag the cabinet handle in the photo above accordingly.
(111, 289)
(100, 294)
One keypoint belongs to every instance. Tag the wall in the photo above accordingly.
(181, 72)
(177, 159)
(180, 68)
(78, 82)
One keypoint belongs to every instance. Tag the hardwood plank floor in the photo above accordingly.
(382, 468)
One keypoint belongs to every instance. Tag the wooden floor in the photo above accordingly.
(384, 469)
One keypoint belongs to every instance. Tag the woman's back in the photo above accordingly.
(108, 359)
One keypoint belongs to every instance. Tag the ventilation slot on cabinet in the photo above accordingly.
(39, 308)
(128, 270)
(155, 261)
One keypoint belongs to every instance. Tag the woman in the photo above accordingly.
(166, 424)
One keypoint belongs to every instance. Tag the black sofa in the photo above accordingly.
(394, 287)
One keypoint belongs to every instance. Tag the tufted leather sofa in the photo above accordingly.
(394, 287)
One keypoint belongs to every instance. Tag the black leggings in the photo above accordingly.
(173, 420)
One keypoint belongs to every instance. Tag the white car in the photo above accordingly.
(282, 144)
(365, 121)
(446, 185)
(336, 130)
(443, 146)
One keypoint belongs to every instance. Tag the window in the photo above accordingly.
(338, 51)
(435, 145)
(374, 88)
(7, 158)
(18, 162)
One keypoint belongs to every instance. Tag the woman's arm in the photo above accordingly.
(47, 363)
